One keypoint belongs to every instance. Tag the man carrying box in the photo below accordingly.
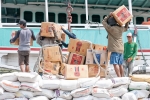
(130, 51)
(24, 36)
(115, 43)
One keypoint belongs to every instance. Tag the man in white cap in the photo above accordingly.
(130, 51)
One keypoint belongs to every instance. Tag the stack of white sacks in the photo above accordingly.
(30, 86)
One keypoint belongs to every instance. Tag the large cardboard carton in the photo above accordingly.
(46, 28)
(17, 40)
(76, 59)
(98, 47)
(101, 56)
(78, 46)
(50, 67)
(93, 70)
(52, 54)
(122, 15)
(76, 71)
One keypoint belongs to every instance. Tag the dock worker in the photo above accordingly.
(130, 51)
(115, 42)
(24, 35)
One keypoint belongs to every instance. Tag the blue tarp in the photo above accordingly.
(94, 35)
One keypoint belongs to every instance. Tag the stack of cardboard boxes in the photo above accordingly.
(81, 60)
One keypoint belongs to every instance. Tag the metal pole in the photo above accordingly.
(0, 13)
(130, 9)
(86, 10)
(46, 10)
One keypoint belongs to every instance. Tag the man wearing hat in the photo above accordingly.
(24, 35)
(115, 42)
(130, 51)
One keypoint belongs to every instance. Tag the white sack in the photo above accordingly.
(81, 92)
(87, 82)
(119, 91)
(63, 94)
(104, 84)
(28, 77)
(140, 93)
(30, 86)
(69, 85)
(89, 97)
(113, 98)
(58, 99)
(18, 99)
(139, 86)
(39, 98)
(50, 84)
(24, 94)
(10, 86)
(9, 77)
(49, 77)
(100, 93)
(7, 95)
(1, 90)
(121, 81)
(48, 93)
(129, 96)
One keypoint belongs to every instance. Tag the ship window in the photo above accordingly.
(74, 18)
(139, 20)
(62, 18)
(51, 17)
(28, 15)
(11, 20)
(4, 20)
(83, 18)
(148, 18)
(96, 18)
(39, 17)
(104, 16)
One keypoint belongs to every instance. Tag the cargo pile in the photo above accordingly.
(31, 86)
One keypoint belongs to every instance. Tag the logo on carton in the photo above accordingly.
(98, 57)
(76, 59)
(78, 46)
(77, 72)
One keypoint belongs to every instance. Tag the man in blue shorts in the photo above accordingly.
(115, 43)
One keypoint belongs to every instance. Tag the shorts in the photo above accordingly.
(23, 57)
(116, 58)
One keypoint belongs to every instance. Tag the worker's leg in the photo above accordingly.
(26, 53)
(117, 70)
(21, 61)
(120, 63)
(130, 68)
(125, 67)
(114, 60)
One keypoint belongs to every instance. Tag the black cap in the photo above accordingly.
(111, 21)
(22, 21)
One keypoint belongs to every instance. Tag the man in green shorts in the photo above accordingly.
(130, 51)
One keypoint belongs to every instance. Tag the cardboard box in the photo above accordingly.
(50, 67)
(98, 47)
(93, 70)
(46, 28)
(79, 47)
(76, 71)
(76, 59)
(63, 36)
(101, 56)
(122, 15)
(52, 54)
(17, 40)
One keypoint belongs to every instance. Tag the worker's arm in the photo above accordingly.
(33, 36)
(105, 24)
(134, 51)
(64, 44)
(126, 26)
(15, 38)
(70, 35)
(124, 51)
